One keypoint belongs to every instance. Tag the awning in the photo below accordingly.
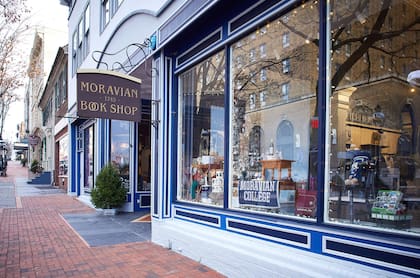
(20, 146)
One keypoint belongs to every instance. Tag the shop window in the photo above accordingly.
(374, 161)
(270, 170)
(120, 150)
(63, 156)
(202, 126)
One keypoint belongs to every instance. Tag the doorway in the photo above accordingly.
(142, 195)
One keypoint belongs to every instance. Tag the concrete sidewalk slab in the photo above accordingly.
(7, 193)
(100, 230)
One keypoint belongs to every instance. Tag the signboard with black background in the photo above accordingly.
(109, 95)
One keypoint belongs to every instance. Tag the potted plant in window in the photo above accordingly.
(109, 193)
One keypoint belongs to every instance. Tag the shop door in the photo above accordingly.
(142, 192)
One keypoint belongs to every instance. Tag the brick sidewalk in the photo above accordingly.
(36, 241)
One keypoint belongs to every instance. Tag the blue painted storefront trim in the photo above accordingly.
(396, 252)
(375, 251)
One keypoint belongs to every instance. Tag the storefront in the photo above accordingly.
(291, 137)
(113, 127)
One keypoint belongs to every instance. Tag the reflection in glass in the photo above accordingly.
(63, 156)
(120, 150)
(89, 156)
(144, 156)
(375, 152)
(271, 131)
(202, 128)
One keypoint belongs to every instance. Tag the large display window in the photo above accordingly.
(274, 75)
(201, 126)
(375, 115)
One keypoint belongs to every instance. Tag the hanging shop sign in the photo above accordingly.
(259, 193)
(33, 140)
(108, 95)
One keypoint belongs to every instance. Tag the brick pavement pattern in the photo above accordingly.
(36, 241)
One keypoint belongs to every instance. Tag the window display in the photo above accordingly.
(375, 132)
(202, 125)
(274, 101)
(63, 156)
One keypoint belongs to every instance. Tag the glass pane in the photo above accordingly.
(375, 131)
(120, 150)
(202, 128)
(105, 12)
(63, 156)
(87, 19)
(272, 113)
(89, 158)
(144, 156)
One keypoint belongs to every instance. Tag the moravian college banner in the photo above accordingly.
(108, 95)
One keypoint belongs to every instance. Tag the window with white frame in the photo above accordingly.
(263, 74)
(86, 31)
(106, 13)
(286, 39)
(285, 88)
(81, 40)
(74, 53)
(286, 65)
(263, 50)
(108, 10)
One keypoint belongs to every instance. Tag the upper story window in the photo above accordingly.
(86, 30)
(263, 50)
(286, 65)
(286, 39)
(105, 13)
(60, 90)
(108, 9)
(80, 40)
(46, 113)
(57, 93)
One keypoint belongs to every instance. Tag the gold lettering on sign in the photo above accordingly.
(93, 106)
(123, 109)
(99, 88)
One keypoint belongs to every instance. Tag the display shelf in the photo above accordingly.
(397, 217)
